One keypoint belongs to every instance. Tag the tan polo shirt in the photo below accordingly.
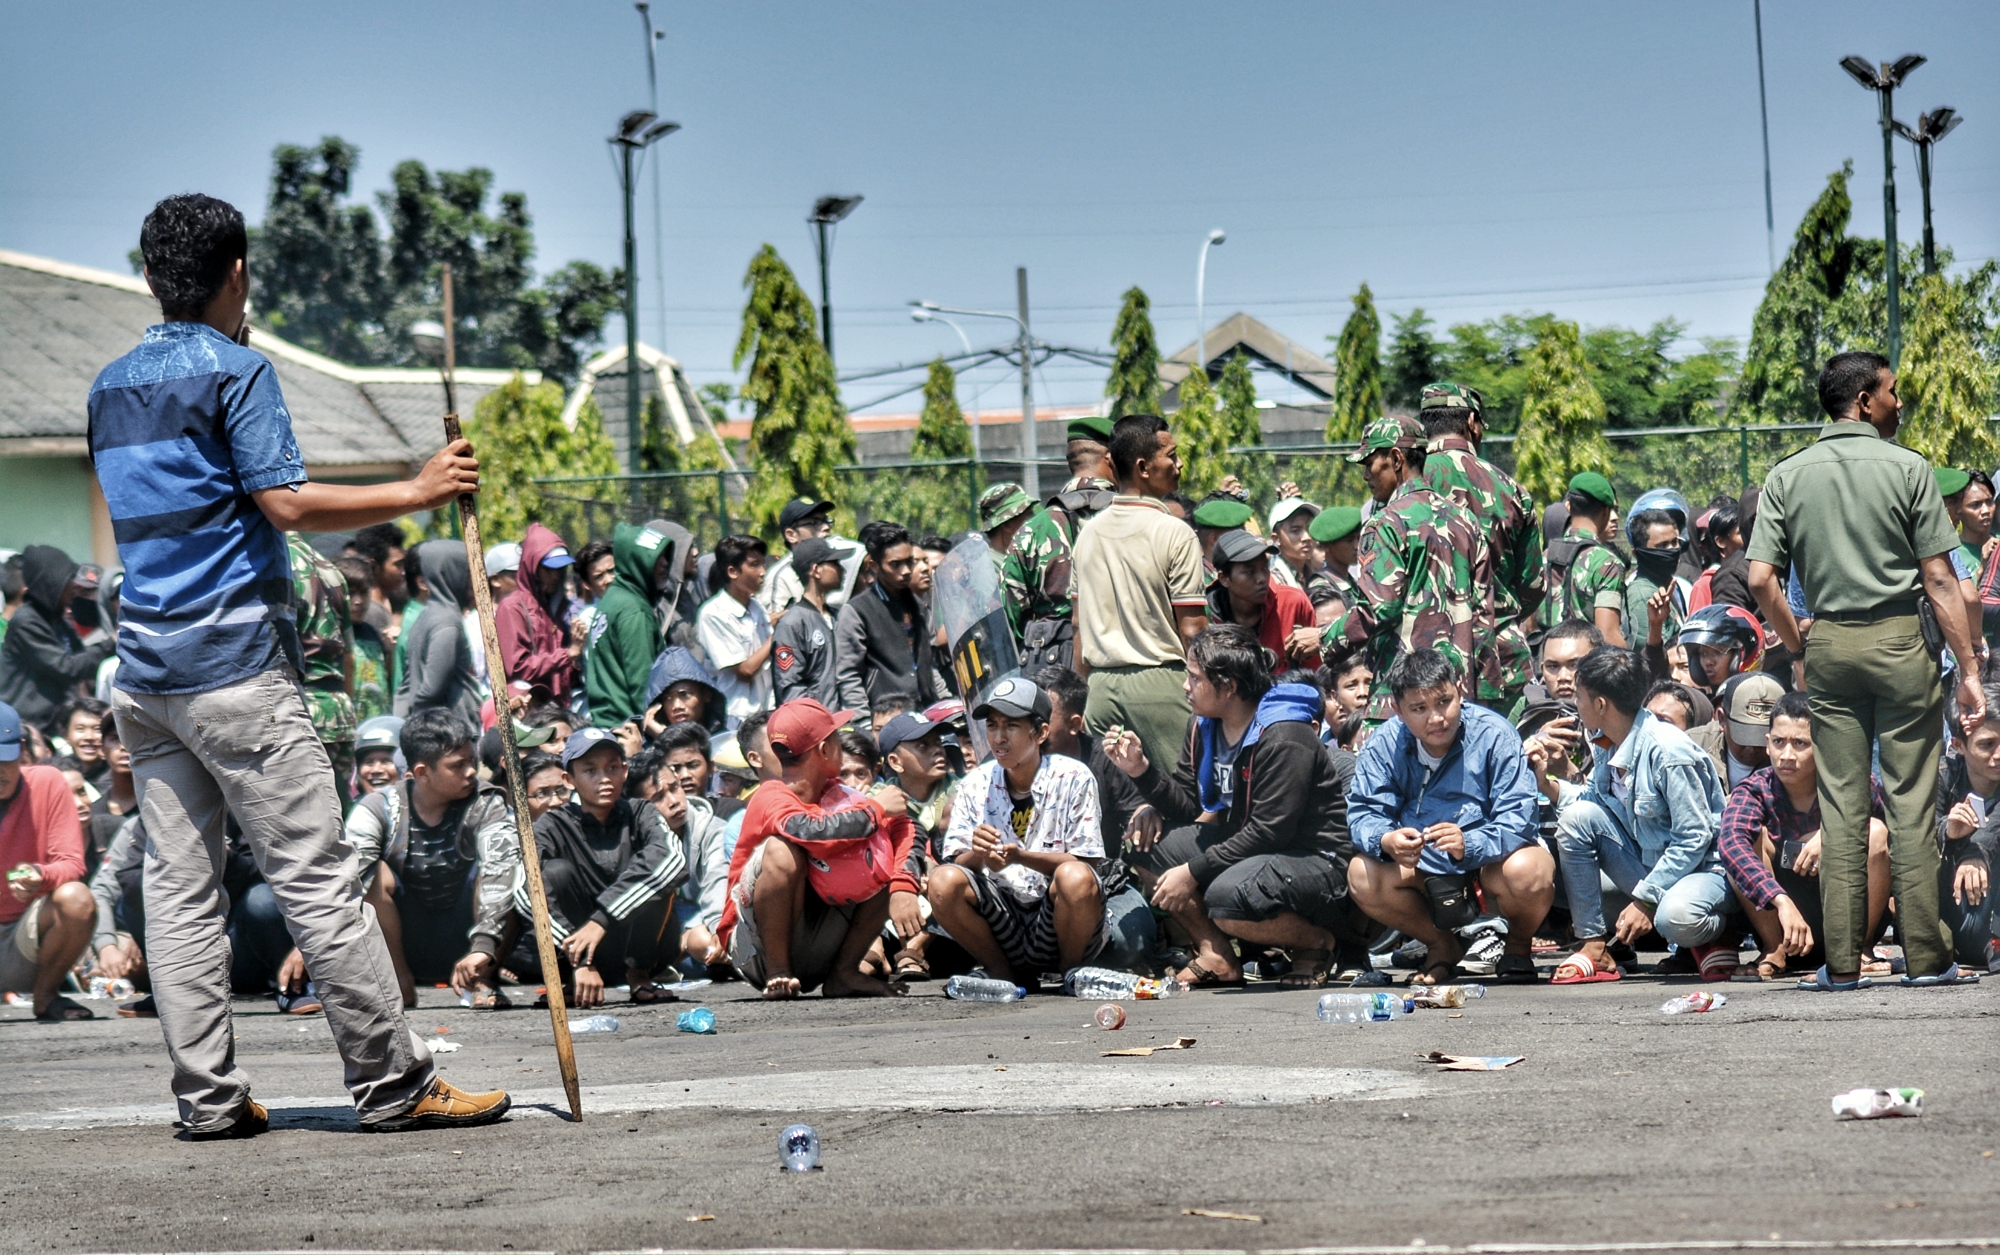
(1134, 564)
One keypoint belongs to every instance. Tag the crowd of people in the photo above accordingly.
(1447, 732)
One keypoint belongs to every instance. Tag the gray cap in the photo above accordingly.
(1015, 697)
(1240, 546)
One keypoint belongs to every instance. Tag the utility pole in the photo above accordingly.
(1031, 471)
(1883, 81)
(653, 38)
(1764, 115)
(827, 211)
(637, 131)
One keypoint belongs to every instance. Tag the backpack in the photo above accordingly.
(1072, 509)
(1562, 556)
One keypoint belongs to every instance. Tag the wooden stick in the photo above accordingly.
(517, 788)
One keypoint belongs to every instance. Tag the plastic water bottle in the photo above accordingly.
(1878, 1104)
(981, 989)
(1109, 1016)
(699, 1020)
(595, 1024)
(1446, 995)
(1102, 983)
(1687, 1004)
(1351, 1008)
(798, 1148)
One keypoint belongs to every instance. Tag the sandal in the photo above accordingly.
(646, 993)
(1309, 969)
(490, 1000)
(1766, 969)
(62, 1009)
(911, 966)
(1516, 969)
(1583, 971)
(1716, 962)
(1953, 975)
(1205, 979)
(1822, 981)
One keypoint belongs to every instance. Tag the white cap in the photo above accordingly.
(1286, 507)
(501, 558)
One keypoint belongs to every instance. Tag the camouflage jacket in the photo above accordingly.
(1421, 566)
(326, 638)
(1583, 574)
(1507, 516)
(1079, 488)
(1034, 573)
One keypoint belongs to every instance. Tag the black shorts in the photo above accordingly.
(1261, 887)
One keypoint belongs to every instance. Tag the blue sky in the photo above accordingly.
(1599, 161)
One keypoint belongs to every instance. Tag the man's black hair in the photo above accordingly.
(858, 743)
(879, 537)
(12, 583)
(1454, 420)
(431, 733)
(1065, 686)
(542, 714)
(1846, 377)
(360, 572)
(1082, 451)
(1797, 705)
(751, 728)
(732, 551)
(376, 540)
(1642, 524)
(534, 762)
(1328, 677)
(1674, 689)
(646, 765)
(889, 707)
(1350, 727)
(936, 544)
(82, 706)
(1583, 503)
(1185, 502)
(1421, 669)
(587, 556)
(67, 762)
(684, 736)
(1615, 674)
(1981, 478)
(190, 244)
(1228, 653)
(1575, 629)
(1723, 521)
(1134, 438)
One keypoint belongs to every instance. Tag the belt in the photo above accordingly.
(1902, 607)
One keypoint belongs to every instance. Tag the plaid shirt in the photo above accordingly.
(1760, 805)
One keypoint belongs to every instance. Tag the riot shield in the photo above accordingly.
(968, 600)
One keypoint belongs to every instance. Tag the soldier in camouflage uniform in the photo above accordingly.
(1034, 559)
(1338, 530)
(326, 639)
(1089, 488)
(1455, 423)
(1585, 576)
(1422, 568)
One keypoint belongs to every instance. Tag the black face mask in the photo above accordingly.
(1658, 564)
(84, 611)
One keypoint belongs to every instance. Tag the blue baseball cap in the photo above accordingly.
(10, 734)
(581, 743)
(558, 556)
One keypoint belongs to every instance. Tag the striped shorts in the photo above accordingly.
(1025, 931)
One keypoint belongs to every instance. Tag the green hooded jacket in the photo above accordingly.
(620, 658)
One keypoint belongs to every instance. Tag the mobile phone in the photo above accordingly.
(1788, 854)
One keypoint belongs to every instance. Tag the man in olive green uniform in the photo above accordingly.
(1089, 489)
(1860, 518)
(326, 641)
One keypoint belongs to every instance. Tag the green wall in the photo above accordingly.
(45, 501)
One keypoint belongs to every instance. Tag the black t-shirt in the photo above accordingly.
(1024, 815)
(435, 868)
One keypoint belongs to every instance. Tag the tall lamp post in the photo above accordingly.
(920, 314)
(1030, 472)
(1200, 296)
(637, 131)
(1883, 81)
(827, 211)
(1931, 127)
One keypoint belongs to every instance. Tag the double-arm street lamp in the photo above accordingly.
(1883, 81)
(1200, 297)
(1930, 128)
(637, 131)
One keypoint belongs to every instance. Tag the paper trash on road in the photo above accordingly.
(1140, 1052)
(1220, 1215)
(439, 1046)
(1471, 1063)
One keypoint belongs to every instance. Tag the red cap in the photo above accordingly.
(802, 724)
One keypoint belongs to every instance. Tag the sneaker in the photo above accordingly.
(1483, 956)
(445, 1107)
(306, 1003)
(254, 1120)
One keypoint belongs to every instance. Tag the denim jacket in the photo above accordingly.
(1483, 785)
(1674, 811)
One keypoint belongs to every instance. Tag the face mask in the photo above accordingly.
(1657, 564)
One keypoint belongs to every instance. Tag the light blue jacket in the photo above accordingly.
(1483, 785)
(1674, 806)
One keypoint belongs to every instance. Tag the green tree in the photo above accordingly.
(519, 432)
(798, 430)
(1134, 386)
(1411, 362)
(1562, 417)
(938, 500)
(318, 265)
(1201, 436)
(1243, 427)
(1788, 340)
(1357, 372)
(1946, 385)
(941, 429)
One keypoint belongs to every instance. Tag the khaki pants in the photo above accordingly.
(248, 749)
(1151, 701)
(1873, 682)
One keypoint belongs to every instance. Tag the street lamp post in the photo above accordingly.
(1883, 81)
(920, 314)
(1031, 478)
(637, 131)
(1200, 296)
(1931, 127)
(827, 211)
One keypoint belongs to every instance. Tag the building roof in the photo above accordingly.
(61, 324)
(1241, 333)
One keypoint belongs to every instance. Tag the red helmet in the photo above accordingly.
(1725, 627)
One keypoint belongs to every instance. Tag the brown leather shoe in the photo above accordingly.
(254, 1120)
(446, 1107)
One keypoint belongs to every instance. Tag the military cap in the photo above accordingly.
(1594, 486)
(1002, 504)
(1221, 512)
(1091, 427)
(1950, 480)
(1336, 522)
(1446, 395)
(1395, 431)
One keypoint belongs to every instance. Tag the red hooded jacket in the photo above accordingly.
(41, 828)
(533, 645)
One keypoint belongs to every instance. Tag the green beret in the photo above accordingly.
(1222, 513)
(1002, 504)
(1398, 431)
(1594, 486)
(1336, 522)
(1445, 395)
(1950, 480)
(1091, 427)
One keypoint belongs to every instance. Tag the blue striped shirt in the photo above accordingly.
(182, 430)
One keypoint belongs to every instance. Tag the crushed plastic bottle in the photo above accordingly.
(594, 1024)
(1688, 1004)
(983, 989)
(798, 1148)
(1878, 1104)
(1104, 984)
(117, 988)
(1110, 1016)
(1352, 1008)
(698, 1020)
(1446, 996)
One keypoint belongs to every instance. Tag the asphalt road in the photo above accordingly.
(949, 1125)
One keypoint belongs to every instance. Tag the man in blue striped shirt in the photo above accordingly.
(194, 451)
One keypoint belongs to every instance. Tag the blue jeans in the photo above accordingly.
(1590, 839)
(258, 940)
(1130, 930)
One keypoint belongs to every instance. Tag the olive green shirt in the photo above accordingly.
(1856, 514)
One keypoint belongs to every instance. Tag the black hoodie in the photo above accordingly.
(43, 663)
